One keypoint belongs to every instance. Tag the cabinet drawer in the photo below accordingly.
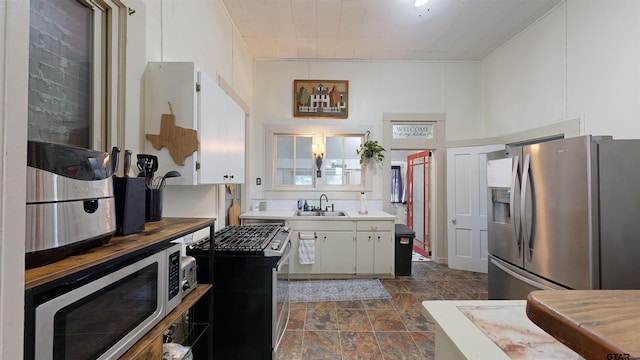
(371, 225)
(321, 225)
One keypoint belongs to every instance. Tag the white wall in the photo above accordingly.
(374, 88)
(200, 31)
(603, 66)
(581, 60)
(14, 74)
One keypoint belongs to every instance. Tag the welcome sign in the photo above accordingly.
(413, 131)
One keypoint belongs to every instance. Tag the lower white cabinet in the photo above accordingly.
(375, 247)
(337, 252)
(345, 247)
(334, 246)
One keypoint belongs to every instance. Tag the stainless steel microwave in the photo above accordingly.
(102, 319)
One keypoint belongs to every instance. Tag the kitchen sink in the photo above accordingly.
(332, 213)
(320, 213)
(307, 213)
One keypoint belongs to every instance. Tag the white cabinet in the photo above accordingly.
(198, 103)
(364, 252)
(334, 246)
(337, 251)
(375, 247)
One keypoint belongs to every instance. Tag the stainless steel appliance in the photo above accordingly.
(70, 201)
(188, 275)
(101, 315)
(250, 289)
(563, 214)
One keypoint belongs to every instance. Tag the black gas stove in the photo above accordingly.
(250, 291)
(247, 240)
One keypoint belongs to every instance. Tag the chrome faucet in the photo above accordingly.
(325, 197)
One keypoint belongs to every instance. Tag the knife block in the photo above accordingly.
(129, 194)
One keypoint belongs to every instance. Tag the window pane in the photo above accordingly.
(60, 72)
(293, 160)
(342, 162)
(304, 161)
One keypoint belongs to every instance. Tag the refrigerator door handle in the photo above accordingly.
(512, 205)
(522, 278)
(526, 227)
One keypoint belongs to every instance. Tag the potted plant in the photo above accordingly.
(370, 150)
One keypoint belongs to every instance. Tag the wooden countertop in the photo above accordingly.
(155, 232)
(597, 324)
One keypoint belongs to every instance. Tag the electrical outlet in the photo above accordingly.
(258, 181)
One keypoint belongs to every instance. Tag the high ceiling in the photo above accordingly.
(381, 29)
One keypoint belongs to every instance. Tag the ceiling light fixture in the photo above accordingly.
(420, 2)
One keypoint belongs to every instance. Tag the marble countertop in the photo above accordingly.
(495, 330)
(290, 214)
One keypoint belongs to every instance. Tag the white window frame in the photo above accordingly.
(319, 133)
(108, 72)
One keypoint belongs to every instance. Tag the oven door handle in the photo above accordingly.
(285, 256)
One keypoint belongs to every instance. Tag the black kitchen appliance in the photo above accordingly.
(251, 291)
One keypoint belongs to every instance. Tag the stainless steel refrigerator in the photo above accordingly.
(564, 214)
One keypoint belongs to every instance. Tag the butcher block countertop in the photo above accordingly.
(597, 324)
(154, 233)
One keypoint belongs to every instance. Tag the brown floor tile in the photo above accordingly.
(478, 296)
(357, 304)
(360, 346)
(417, 320)
(321, 345)
(405, 301)
(378, 304)
(298, 305)
(455, 296)
(398, 345)
(353, 319)
(296, 319)
(402, 329)
(321, 319)
(386, 320)
(425, 341)
(321, 305)
(291, 346)
(420, 297)
(396, 286)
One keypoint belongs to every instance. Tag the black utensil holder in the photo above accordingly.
(130, 198)
(153, 205)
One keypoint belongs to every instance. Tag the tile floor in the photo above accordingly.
(398, 328)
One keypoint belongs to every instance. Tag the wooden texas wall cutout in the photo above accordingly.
(180, 141)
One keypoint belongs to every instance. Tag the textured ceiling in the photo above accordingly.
(381, 29)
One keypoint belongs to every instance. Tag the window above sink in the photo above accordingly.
(303, 158)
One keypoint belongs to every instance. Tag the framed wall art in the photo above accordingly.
(321, 98)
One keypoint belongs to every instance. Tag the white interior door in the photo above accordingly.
(467, 207)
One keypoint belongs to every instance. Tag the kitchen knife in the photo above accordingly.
(115, 155)
(127, 162)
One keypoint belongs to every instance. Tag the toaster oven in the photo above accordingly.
(188, 275)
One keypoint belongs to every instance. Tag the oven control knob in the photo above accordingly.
(275, 244)
(286, 228)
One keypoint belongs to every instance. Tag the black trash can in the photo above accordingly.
(404, 249)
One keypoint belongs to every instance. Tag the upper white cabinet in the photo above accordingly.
(197, 103)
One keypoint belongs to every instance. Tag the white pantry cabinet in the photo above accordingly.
(198, 103)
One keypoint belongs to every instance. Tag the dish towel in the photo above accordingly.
(307, 249)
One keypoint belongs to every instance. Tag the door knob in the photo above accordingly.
(453, 221)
